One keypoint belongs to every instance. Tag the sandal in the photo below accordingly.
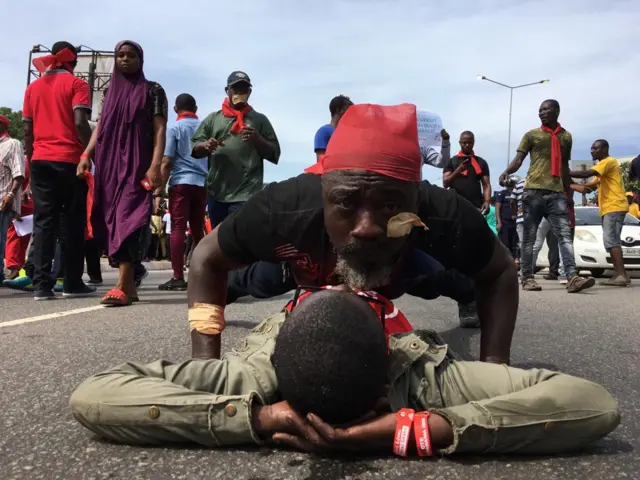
(116, 298)
(134, 299)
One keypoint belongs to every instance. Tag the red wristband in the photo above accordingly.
(404, 421)
(422, 434)
(84, 155)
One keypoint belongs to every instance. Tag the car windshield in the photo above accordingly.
(591, 216)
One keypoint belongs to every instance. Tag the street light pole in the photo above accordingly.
(511, 89)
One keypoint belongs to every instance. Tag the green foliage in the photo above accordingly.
(629, 185)
(15, 119)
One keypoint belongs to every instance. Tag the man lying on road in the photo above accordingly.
(325, 378)
(350, 221)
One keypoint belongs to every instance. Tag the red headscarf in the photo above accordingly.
(55, 60)
(229, 111)
(556, 151)
(376, 138)
(4, 120)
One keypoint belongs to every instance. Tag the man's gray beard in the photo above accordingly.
(360, 279)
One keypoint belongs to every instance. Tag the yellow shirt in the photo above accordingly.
(634, 210)
(611, 193)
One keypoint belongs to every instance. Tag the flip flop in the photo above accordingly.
(116, 298)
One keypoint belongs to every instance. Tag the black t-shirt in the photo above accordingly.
(503, 197)
(469, 186)
(285, 222)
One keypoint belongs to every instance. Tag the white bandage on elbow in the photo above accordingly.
(206, 318)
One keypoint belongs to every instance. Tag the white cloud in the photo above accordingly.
(302, 53)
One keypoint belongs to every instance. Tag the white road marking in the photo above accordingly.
(48, 316)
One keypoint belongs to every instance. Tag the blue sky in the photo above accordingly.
(301, 53)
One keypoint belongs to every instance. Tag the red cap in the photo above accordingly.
(376, 138)
(4, 120)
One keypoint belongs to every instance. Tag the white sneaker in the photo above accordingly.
(563, 281)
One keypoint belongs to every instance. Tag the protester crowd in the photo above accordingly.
(360, 220)
(120, 169)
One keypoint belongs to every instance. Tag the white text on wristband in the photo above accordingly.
(422, 434)
(404, 422)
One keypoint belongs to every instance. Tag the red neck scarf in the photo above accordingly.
(474, 163)
(187, 115)
(556, 151)
(58, 60)
(229, 111)
(5, 134)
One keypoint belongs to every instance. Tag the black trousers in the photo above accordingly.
(57, 190)
(509, 238)
(92, 256)
(259, 280)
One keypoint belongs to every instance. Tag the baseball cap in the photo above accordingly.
(237, 77)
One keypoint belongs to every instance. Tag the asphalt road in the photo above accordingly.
(595, 335)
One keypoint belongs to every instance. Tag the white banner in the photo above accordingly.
(429, 128)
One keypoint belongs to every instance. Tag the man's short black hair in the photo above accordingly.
(553, 102)
(59, 46)
(186, 102)
(467, 132)
(339, 104)
(331, 357)
(603, 142)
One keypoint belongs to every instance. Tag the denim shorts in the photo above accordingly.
(612, 229)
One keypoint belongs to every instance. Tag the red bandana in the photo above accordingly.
(394, 319)
(187, 115)
(50, 62)
(474, 163)
(4, 120)
(229, 111)
(556, 151)
(375, 138)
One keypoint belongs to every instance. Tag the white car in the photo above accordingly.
(588, 246)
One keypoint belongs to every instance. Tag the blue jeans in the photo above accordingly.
(218, 211)
(553, 206)
(612, 229)
(5, 221)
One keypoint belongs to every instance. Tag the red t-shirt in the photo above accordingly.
(394, 319)
(50, 102)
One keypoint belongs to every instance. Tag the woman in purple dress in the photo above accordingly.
(127, 148)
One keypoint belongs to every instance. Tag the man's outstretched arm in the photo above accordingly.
(208, 403)
(497, 298)
(207, 288)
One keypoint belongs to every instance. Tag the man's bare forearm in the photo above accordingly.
(16, 183)
(497, 299)
(28, 139)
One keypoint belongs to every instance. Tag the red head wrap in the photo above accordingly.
(55, 60)
(4, 120)
(379, 139)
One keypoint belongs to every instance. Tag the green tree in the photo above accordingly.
(15, 122)
(629, 185)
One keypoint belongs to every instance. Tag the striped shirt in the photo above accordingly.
(430, 155)
(517, 196)
(11, 166)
